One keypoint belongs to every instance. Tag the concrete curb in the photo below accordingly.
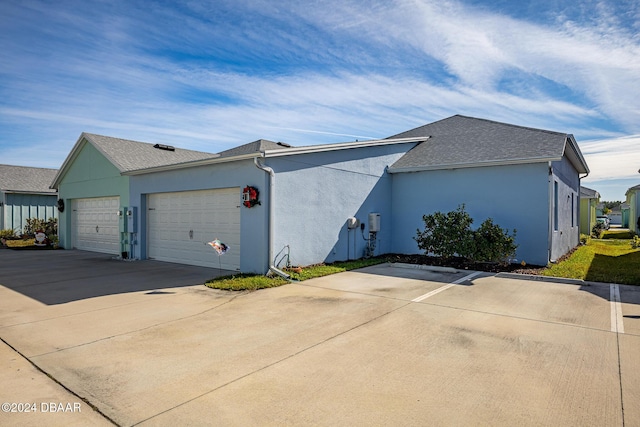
(550, 279)
(423, 267)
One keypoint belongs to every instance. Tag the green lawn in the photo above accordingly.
(252, 282)
(602, 260)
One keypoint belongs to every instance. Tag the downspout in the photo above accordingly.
(551, 214)
(272, 183)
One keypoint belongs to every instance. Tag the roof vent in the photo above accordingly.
(165, 147)
(284, 144)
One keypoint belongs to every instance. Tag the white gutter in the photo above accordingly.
(190, 164)
(472, 165)
(340, 146)
(272, 180)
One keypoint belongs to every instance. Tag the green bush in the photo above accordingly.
(50, 226)
(598, 230)
(446, 235)
(450, 234)
(7, 234)
(492, 243)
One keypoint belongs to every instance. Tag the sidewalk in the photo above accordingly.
(30, 398)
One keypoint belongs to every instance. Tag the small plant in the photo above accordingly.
(49, 227)
(635, 242)
(598, 230)
(584, 239)
(7, 234)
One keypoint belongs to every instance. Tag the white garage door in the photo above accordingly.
(180, 224)
(95, 224)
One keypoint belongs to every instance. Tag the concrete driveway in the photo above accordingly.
(385, 345)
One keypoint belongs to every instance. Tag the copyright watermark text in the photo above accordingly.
(46, 407)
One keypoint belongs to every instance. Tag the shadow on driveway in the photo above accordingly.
(58, 277)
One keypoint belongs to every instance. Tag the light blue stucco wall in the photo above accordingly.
(16, 208)
(634, 209)
(89, 175)
(514, 196)
(253, 221)
(316, 193)
(566, 235)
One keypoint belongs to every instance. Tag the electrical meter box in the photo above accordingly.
(132, 220)
(122, 221)
(374, 222)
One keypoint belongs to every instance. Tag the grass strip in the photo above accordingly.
(252, 282)
(608, 261)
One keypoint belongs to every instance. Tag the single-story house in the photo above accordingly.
(523, 178)
(589, 199)
(94, 189)
(633, 200)
(24, 194)
(625, 208)
(271, 202)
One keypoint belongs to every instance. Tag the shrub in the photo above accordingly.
(635, 242)
(7, 234)
(447, 234)
(50, 226)
(450, 234)
(598, 230)
(493, 244)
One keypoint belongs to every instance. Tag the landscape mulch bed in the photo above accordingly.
(464, 264)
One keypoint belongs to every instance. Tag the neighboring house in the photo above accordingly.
(589, 199)
(94, 189)
(625, 215)
(319, 203)
(25, 193)
(306, 195)
(633, 200)
(523, 178)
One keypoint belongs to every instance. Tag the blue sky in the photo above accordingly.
(210, 75)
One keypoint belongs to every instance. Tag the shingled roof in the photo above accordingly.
(129, 156)
(588, 193)
(258, 146)
(24, 179)
(461, 141)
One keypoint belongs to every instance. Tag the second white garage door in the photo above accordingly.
(95, 224)
(180, 224)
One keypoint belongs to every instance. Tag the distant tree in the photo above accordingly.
(612, 205)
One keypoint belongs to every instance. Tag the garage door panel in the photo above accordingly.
(180, 224)
(95, 224)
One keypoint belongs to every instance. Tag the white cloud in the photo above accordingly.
(617, 158)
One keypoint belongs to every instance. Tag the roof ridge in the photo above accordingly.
(514, 125)
(30, 167)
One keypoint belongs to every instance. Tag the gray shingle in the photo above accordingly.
(254, 147)
(26, 179)
(129, 155)
(460, 140)
(588, 193)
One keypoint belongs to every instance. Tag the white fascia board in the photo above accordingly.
(472, 165)
(340, 146)
(192, 164)
(575, 155)
(39, 193)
